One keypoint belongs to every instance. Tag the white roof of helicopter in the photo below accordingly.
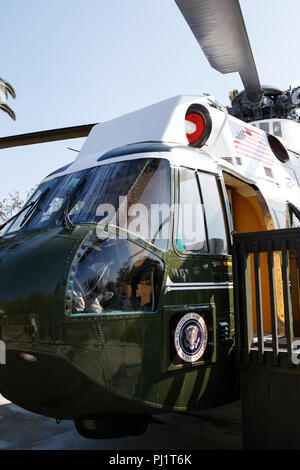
(233, 145)
(160, 122)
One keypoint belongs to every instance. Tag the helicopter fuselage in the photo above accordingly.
(101, 316)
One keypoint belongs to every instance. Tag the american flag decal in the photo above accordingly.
(251, 143)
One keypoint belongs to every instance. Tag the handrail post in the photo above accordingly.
(273, 302)
(288, 316)
(246, 300)
(260, 333)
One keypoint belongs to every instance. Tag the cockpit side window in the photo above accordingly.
(148, 204)
(113, 275)
(135, 193)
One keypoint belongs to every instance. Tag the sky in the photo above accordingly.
(75, 62)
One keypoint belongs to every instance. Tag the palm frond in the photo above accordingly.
(3, 91)
(8, 110)
(7, 88)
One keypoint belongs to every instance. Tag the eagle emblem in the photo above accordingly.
(191, 337)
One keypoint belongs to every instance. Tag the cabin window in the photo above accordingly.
(277, 130)
(201, 217)
(191, 234)
(214, 214)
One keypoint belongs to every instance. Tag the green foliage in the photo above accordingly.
(6, 90)
(8, 110)
(232, 94)
(10, 205)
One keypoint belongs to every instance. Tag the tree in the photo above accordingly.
(232, 94)
(5, 90)
(10, 205)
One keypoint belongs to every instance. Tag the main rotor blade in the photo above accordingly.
(220, 30)
(45, 136)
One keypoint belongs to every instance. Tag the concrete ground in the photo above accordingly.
(217, 429)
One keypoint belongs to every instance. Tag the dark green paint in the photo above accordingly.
(107, 362)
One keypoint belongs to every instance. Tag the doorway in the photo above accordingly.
(250, 213)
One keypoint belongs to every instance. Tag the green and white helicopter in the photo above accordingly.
(116, 288)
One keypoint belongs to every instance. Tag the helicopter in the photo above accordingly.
(116, 283)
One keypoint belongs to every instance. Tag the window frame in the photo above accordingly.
(294, 212)
(223, 202)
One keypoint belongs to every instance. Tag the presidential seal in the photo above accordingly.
(191, 337)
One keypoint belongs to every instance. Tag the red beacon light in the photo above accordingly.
(197, 125)
(194, 127)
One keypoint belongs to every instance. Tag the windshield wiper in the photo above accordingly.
(30, 205)
(71, 201)
(34, 206)
(66, 221)
(15, 216)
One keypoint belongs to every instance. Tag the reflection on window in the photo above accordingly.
(132, 194)
(43, 189)
(148, 204)
(191, 234)
(51, 197)
(50, 207)
(114, 275)
(104, 185)
(138, 192)
(214, 214)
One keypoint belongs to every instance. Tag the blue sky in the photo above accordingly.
(83, 61)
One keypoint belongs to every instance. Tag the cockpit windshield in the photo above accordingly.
(133, 194)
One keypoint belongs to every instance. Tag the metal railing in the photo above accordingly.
(273, 255)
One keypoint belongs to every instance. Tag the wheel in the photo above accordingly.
(139, 425)
(111, 426)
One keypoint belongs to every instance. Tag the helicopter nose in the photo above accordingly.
(36, 373)
(32, 279)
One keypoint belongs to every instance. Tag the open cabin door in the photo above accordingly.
(250, 213)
